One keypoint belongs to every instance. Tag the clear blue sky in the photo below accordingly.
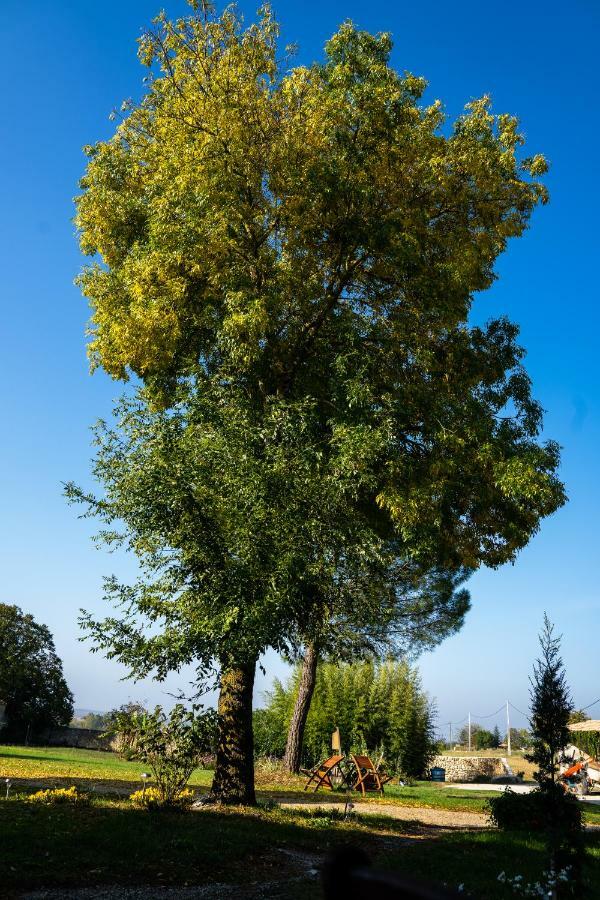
(66, 65)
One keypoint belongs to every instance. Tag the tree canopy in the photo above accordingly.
(316, 233)
(32, 684)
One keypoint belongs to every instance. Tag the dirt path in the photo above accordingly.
(441, 818)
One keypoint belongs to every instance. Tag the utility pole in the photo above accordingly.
(469, 732)
(507, 730)
(450, 741)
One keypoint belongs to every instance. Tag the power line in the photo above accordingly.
(590, 704)
(490, 715)
(445, 724)
(500, 709)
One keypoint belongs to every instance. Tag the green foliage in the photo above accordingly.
(534, 811)
(171, 746)
(315, 235)
(484, 740)
(520, 738)
(549, 809)
(380, 708)
(269, 736)
(588, 741)
(287, 258)
(94, 721)
(32, 684)
(551, 707)
(554, 813)
(463, 734)
(123, 724)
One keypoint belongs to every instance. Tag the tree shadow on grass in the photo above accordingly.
(280, 851)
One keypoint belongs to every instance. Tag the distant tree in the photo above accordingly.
(92, 720)
(32, 684)
(269, 736)
(495, 738)
(551, 707)
(463, 734)
(520, 738)
(484, 739)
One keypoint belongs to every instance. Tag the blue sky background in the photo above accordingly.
(66, 65)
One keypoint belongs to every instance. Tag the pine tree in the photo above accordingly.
(551, 706)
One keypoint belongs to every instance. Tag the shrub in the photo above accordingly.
(537, 811)
(152, 798)
(60, 796)
(171, 746)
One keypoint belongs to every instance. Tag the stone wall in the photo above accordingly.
(65, 736)
(469, 768)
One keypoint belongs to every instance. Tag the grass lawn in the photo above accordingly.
(112, 842)
(98, 772)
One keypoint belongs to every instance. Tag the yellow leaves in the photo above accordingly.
(59, 797)
(523, 482)
(152, 798)
(237, 195)
(536, 165)
(245, 326)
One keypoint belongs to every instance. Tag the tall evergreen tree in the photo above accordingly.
(551, 707)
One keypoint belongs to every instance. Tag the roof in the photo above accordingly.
(588, 725)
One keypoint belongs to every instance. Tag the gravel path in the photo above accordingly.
(443, 818)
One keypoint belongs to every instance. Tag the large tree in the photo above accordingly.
(32, 684)
(296, 251)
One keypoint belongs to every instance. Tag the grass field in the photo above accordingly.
(110, 842)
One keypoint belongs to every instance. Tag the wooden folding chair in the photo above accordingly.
(368, 776)
(321, 775)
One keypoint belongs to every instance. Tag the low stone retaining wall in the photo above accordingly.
(65, 736)
(469, 768)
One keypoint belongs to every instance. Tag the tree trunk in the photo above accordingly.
(234, 771)
(308, 678)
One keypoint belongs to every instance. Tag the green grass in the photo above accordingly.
(103, 771)
(111, 842)
(61, 764)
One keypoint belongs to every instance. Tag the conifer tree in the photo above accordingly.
(551, 707)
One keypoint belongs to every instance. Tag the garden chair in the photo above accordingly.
(322, 774)
(368, 776)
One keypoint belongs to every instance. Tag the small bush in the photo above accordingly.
(152, 798)
(60, 796)
(539, 810)
(172, 745)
